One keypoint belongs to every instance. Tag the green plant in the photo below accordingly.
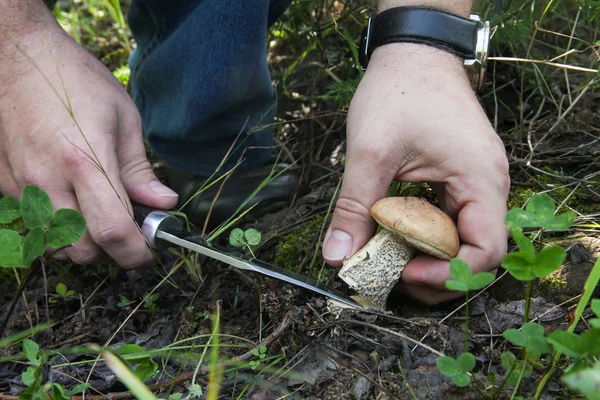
(41, 227)
(458, 370)
(250, 238)
(525, 264)
(33, 378)
(124, 301)
(537, 349)
(260, 354)
(150, 302)
(63, 292)
(463, 280)
(135, 355)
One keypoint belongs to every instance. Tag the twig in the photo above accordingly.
(15, 299)
(122, 395)
(269, 340)
(385, 330)
(553, 64)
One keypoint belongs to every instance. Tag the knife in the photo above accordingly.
(163, 230)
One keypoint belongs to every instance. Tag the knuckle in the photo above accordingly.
(81, 253)
(352, 210)
(84, 257)
(500, 164)
(33, 176)
(136, 166)
(74, 160)
(109, 234)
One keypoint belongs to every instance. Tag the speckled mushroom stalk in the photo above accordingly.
(408, 223)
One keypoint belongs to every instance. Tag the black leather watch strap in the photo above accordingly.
(421, 25)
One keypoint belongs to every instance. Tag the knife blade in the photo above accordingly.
(162, 230)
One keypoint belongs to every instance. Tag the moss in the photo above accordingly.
(549, 284)
(519, 195)
(297, 249)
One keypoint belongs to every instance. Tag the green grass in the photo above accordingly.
(313, 62)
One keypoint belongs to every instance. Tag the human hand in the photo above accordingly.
(41, 144)
(414, 118)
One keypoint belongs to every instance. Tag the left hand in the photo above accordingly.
(415, 118)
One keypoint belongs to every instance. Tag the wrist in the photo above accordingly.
(21, 17)
(458, 7)
(420, 64)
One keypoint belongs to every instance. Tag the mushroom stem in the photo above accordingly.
(375, 269)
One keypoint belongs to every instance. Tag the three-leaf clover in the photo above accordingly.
(260, 353)
(530, 336)
(124, 301)
(32, 376)
(250, 238)
(463, 279)
(62, 290)
(525, 265)
(539, 213)
(45, 228)
(457, 369)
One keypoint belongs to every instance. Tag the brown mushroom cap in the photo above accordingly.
(421, 224)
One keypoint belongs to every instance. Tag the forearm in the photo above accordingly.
(460, 7)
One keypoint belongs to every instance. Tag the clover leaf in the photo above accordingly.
(66, 227)
(539, 213)
(548, 260)
(457, 369)
(34, 245)
(10, 210)
(463, 279)
(531, 336)
(252, 236)
(36, 207)
(10, 248)
(236, 238)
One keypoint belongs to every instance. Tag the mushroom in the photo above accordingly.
(408, 223)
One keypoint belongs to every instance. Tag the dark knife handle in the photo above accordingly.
(151, 221)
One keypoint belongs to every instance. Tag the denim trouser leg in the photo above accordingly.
(199, 76)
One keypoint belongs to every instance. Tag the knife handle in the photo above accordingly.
(151, 221)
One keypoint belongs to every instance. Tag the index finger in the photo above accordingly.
(483, 235)
(105, 207)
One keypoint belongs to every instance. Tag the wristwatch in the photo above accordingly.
(468, 38)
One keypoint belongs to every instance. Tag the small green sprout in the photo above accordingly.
(250, 238)
(260, 353)
(149, 303)
(458, 370)
(124, 301)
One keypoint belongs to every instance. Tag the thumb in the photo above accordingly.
(352, 226)
(138, 178)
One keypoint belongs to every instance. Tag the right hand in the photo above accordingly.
(41, 144)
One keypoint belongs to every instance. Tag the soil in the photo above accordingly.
(317, 352)
(325, 354)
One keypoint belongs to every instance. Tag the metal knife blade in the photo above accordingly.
(159, 226)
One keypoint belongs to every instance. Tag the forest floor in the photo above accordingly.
(281, 341)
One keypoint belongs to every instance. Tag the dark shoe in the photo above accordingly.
(235, 191)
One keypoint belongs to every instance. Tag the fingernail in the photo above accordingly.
(60, 256)
(337, 246)
(161, 189)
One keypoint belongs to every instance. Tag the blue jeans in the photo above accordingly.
(199, 77)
